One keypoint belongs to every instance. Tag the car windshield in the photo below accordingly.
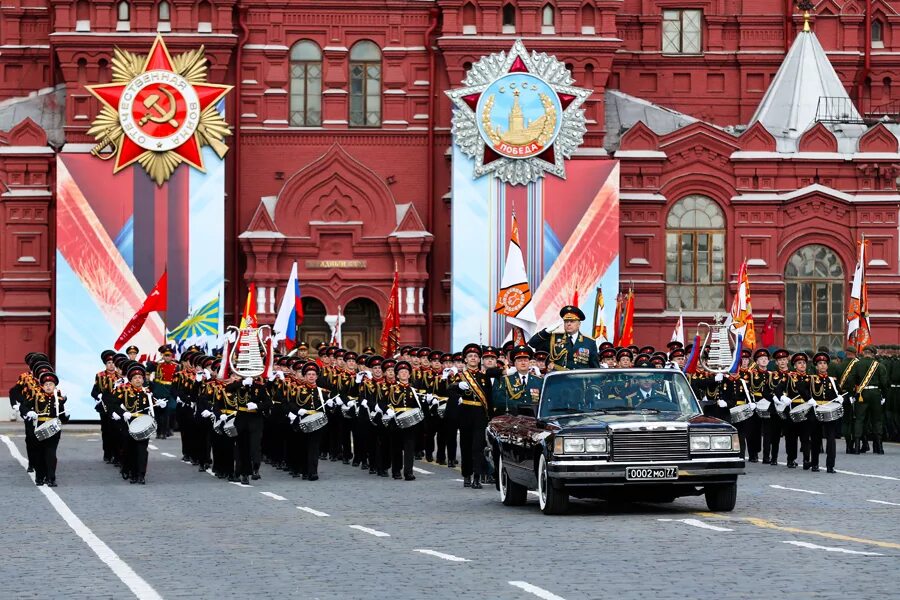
(617, 391)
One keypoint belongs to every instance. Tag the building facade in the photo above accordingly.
(339, 156)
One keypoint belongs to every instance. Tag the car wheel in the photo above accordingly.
(511, 493)
(551, 500)
(721, 498)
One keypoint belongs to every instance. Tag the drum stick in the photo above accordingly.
(150, 402)
(746, 391)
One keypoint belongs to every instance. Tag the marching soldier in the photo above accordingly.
(472, 394)
(848, 422)
(44, 405)
(401, 397)
(252, 397)
(822, 391)
(162, 379)
(307, 400)
(102, 393)
(134, 400)
(449, 378)
(569, 349)
(869, 379)
(793, 392)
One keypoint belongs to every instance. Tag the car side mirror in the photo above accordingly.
(525, 410)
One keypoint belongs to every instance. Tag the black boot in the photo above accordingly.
(476, 482)
(864, 447)
(848, 446)
(51, 483)
(467, 481)
(879, 448)
(854, 446)
(255, 475)
(245, 480)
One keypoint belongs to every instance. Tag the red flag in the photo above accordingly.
(156, 301)
(518, 337)
(627, 338)
(768, 333)
(690, 366)
(575, 297)
(390, 334)
(248, 318)
(617, 321)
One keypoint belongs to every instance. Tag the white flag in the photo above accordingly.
(287, 307)
(678, 333)
(514, 298)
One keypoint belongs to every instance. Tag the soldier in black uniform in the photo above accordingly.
(449, 377)
(102, 393)
(134, 400)
(793, 392)
(472, 394)
(569, 349)
(40, 407)
(401, 397)
(252, 398)
(822, 390)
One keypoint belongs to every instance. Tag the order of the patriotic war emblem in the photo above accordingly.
(158, 111)
(518, 115)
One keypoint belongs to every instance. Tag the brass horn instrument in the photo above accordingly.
(108, 139)
(249, 355)
(721, 346)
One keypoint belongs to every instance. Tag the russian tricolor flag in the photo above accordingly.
(290, 313)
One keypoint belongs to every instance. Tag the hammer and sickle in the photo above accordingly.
(151, 102)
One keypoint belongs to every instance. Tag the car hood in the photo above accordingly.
(632, 421)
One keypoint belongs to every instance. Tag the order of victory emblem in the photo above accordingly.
(518, 115)
(158, 111)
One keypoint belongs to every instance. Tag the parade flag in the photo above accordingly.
(514, 296)
(858, 331)
(600, 332)
(336, 330)
(617, 320)
(155, 301)
(627, 335)
(736, 358)
(201, 323)
(248, 317)
(290, 313)
(678, 333)
(768, 334)
(693, 359)
(741, 316)
(575, 296)
(390, 334)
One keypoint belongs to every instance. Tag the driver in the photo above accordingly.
(645, 391)
(569, 349)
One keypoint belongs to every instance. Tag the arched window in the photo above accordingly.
(695, 255)
(877, 34)
(814, 299)
(509, 18)
(468, 19)
(548, 19)
(588, 25)
(123, 16)
(204, 17)
(163, 11)
(365, 85)
(306, 84)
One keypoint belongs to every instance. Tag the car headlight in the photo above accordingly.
(573, 445)
(721, 442)
(700, 442)
(595, 446)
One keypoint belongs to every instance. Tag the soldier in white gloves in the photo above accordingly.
(253, 400)
(133, 400)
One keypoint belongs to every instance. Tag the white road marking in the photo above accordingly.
(884, 502)
(781, 487)
(93, 439)
(374, 532)
(140, 588)
(167, 454)
(830, 548)
(240, 484)
(460, 480)
(152, 447)
(422, 471)
(533, 589)
(887, 477)
(273, 496)
(449, 557)
(697, 523)
(313, 511)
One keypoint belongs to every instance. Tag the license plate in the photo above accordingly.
(650, 473)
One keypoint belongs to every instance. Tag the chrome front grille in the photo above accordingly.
(641, 446)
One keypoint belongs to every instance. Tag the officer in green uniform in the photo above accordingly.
(848, 421)
(892, 406)
(569, 349)
(522, 387)
(869, 378)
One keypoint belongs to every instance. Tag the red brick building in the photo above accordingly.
(340, 155)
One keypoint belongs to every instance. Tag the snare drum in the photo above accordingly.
(800, 412)
(47, 429)
(740, 413)
(441, 409)
(762, 408)
(408, 418)
(229, 428)
(829, 412)
(313, 422)
(142, 427)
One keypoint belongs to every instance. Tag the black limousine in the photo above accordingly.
(616, 434)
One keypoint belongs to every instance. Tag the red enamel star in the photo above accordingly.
(169, 102)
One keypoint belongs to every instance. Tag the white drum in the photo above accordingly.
(829, 412)
(142, 427)
(408, 418)
(762, 408)
(740, 413)
(313, 422)
(47, 429)
(799, 412)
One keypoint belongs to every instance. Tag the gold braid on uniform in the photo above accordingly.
(820, 391)
(509, 390)
(554, 356)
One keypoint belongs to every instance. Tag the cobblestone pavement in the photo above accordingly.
(186, 534)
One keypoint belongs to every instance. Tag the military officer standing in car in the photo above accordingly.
(569, 349)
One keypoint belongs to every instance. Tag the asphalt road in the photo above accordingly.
(186, 534)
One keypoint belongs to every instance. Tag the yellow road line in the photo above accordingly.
(764, 524)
